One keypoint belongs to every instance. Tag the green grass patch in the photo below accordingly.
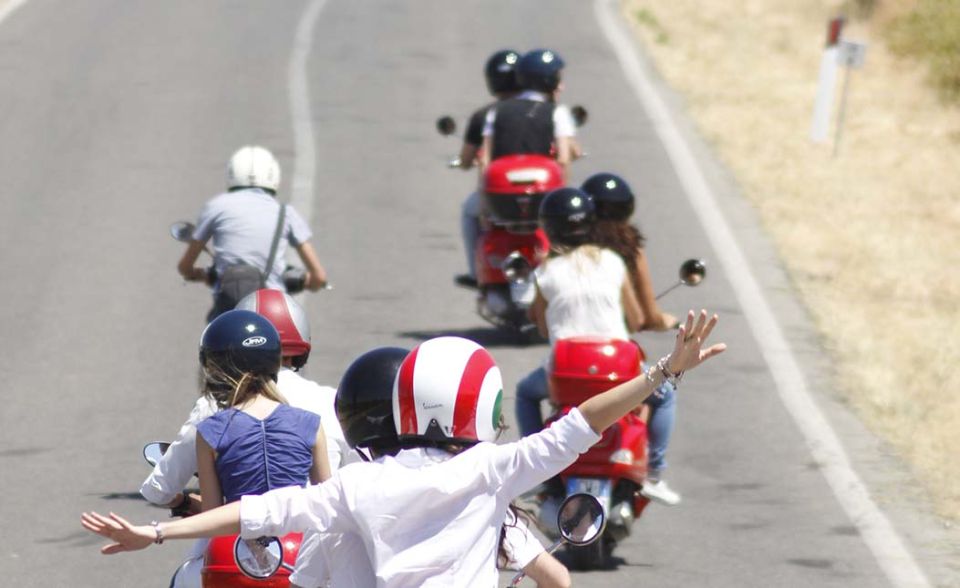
(931, 32)
(649, 20)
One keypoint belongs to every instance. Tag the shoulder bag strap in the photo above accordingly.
(273, 246)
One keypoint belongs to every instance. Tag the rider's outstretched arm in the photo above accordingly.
(224, 520)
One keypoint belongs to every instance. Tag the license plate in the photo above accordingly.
(523, 293)
(599, 487)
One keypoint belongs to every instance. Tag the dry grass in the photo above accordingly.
(870, 238)
(930, 30)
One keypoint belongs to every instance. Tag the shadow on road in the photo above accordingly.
(612, 563)
(122, 496)
(486, 336)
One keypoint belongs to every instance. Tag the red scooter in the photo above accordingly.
(614, 469)
(265, 562)
(511, 243)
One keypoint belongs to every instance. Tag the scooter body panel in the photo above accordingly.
(510, 196)
(497, 243)
(621, 452)
(614, 468)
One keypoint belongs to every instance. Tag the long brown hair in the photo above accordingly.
(503, 557)
(622, 238)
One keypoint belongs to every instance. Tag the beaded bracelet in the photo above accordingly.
(673, 379)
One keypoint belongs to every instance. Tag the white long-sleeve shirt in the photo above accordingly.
(350, 566)
(424, 522)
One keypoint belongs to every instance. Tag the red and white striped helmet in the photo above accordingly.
(287, 316)
(448, 390)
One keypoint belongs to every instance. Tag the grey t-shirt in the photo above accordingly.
(241, 225)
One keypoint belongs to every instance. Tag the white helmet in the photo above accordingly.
(253, 167)
(448, 390)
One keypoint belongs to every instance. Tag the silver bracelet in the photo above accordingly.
(156, 527)
(673, 379)
(656, 392)
(648, 374)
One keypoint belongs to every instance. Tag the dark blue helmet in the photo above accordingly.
(241, 342)
(611, 194)
(365, 398)
(539, 70)
(567, 216)
(500, 71)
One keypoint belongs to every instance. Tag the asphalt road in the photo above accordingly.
(116, 119)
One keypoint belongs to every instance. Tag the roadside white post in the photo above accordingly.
(852, 56)
(820, 129)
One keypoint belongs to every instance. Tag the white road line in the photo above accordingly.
(877, 531)
(9, 7)
(304, 166)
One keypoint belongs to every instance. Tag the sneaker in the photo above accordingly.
(465, 280)
(660, 492)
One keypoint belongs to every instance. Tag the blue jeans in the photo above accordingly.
(532, 389)
(470, 230)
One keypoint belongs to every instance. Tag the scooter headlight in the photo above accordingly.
(622, 456)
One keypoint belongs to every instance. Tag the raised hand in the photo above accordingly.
(688, 351)
(125, 537)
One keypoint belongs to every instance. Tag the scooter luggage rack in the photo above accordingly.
(583, 367)
(519, 227)
(513, 187)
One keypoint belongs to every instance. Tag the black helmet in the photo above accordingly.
(567, 215)
(501, 71)
(539, 70)
(611, 195)
(365, 398)
(241, 342)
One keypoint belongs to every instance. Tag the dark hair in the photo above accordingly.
(622, 238)
(503, 558)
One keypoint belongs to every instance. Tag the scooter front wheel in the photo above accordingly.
(594, 556)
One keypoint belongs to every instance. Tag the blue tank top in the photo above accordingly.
(254, 456)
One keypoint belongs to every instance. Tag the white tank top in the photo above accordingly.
(583, 294)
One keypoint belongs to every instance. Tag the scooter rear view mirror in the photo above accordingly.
(182, 231)
(580, 115)
(516, 268)
(581, 519)
(692, 272)
(258, 558)
(152, 452)
(446, 126)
